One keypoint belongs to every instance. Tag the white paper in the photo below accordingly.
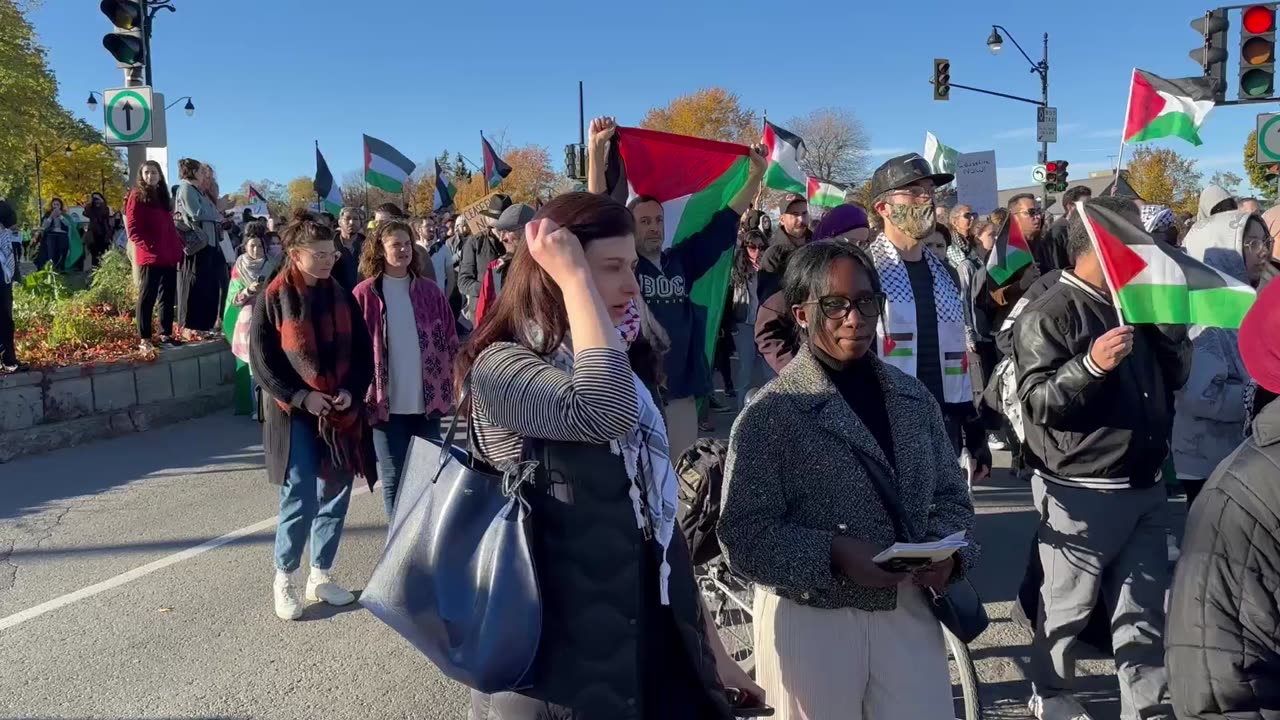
(935, 551)
(976, 181)
(228, 251)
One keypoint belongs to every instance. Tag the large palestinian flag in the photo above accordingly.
(385, 167)
(1156, 283)
(693, 179)
(786, 150)
(1009, 254)
(1163, 108)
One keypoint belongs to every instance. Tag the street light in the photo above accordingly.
(92, 102)
(189, 108)
(995, 41)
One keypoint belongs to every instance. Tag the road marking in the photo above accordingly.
(142, 571)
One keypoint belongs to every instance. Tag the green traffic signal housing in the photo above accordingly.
(1257, 52)
(126, 43)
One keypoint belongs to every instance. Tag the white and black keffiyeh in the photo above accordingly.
(646, 452)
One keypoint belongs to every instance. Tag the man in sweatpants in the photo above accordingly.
(1097, 399)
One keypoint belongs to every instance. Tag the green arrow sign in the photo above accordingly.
(128, 115)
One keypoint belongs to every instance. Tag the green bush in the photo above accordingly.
(112, 284)
(80, 324)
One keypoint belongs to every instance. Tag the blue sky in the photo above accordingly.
(429, 76)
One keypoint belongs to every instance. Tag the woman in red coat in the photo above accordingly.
(148, 219)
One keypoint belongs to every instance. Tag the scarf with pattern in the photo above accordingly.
(646, 452)
(314, 322)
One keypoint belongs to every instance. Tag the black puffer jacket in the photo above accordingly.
(1085, 427)
(1223, 638)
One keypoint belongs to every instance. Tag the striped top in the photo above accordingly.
(517, 393)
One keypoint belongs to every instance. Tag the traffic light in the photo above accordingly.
(575, 162)
(126, 43)
(1211, 56)
(1257, 51)
(1062, 176)
(1051, 174)
(941, 79)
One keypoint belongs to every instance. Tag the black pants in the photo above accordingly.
(155, 282)
(57, 247)
(724, 358)
(7, 354)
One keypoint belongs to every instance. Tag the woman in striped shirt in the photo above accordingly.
(551, 380)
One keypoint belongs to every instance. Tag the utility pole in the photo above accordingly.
(133, 77)
(1044, 94)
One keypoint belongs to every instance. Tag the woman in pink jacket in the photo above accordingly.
(414, 343)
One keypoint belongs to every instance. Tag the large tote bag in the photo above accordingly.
(456, 578)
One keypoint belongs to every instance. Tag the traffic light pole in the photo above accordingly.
(133, 77)
(1044, 92)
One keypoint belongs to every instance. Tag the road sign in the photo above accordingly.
(1046, 124)
(127, 116)
(1268, 148)
(1038, 174)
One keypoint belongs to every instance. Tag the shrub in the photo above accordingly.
(112, 284)
(81, 325)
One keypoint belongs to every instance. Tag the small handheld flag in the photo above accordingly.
(445, 190)
(786, 151)
(495, 170)
(1162, 108)
(326, 189)
(1009, 254)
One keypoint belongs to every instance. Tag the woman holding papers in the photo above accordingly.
(836, 634)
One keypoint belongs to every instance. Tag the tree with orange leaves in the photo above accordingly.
(711, 113)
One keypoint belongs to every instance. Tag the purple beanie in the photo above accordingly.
(840, 219)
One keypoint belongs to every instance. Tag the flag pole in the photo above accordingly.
(1119, 161)
(1128, 105)
(319, 201)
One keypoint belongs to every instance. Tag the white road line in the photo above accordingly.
(138, 572)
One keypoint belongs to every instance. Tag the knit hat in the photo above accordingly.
(1258, 348)
(840, 219)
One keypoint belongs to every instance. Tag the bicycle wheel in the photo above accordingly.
(968, 704)
(729, 602)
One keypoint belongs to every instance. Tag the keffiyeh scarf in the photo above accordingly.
(8, 261)
(647, 455)
(1156, 217)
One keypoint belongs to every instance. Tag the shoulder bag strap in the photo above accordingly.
(888, 496)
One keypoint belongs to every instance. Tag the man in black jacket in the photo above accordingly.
(350, 245)
(791, 232)
(478, 252)
(1051, 254)
(1097, 398)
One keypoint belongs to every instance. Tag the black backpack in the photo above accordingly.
(700, 470)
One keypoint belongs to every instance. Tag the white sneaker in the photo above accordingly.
(287, 605)
(1174, 551)
(1061, 707)
(995, 443)
(321, 589)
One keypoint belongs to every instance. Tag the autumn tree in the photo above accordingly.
(1164, 177)
(531, 178)
(835, 143)
(89, 169)
(1256, 171)
(712, 113)
(300, 192)
(1226, 180)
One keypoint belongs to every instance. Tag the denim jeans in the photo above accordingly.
(391, 443)
(303, 512)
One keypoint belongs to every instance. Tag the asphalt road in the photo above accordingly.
(113, 604)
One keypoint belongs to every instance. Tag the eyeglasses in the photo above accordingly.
(970, 216)
(1031, 212)
(320, 255)
(838, 307)
(917, 193)
(1260, 244)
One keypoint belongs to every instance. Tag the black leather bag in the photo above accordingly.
(958, 607)
(456, 578)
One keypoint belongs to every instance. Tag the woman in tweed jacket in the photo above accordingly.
(837, 636)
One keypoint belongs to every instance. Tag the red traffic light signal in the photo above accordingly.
(1259, 19)
(1257, 51)
(1051, 167)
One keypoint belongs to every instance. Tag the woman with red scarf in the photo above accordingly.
(311, 353)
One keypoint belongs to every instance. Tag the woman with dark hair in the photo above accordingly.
(200, 280)
(311, 353)
(836, 634)
(249, 277)
(623, 632)
(56, 229)
(414, 346)
(746, 303)
(98, 236)
(148, 217)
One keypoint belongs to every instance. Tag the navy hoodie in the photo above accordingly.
(666, 291)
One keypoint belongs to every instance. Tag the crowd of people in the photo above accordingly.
(878, 363)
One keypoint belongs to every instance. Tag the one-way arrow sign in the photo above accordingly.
(127, 114)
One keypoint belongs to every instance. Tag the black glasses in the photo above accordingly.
(1030, 212)
(838, 307)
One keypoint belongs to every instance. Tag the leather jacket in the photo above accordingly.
(1086, 427)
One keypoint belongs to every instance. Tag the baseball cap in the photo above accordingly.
(792, 198)
(904, 170)
(514, 218)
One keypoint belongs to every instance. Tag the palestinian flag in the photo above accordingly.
(825, 194)
(1156, 283)
(75, 246)
(326, 189)
(785, 153)
(385, 167)
(693, 179)
(1009, 254)
(1163, 108)
(494, 169)
(941, 158)
(445, 190)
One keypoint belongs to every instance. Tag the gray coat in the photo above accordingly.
(1209, 420)
(794, 479)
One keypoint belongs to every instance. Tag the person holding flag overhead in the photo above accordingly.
(673, 165)
(1097, 397)
(921, 331)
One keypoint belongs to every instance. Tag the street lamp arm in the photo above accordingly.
(175, 102)
(1035, 66)
(1037, 103)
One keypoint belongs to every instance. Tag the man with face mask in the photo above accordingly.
(921, 331)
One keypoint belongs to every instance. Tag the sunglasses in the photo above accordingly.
(969, 216)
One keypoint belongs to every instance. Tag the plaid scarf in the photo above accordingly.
(315, 334)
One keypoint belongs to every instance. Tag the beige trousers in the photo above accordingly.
(847, 664)
(682, 425)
